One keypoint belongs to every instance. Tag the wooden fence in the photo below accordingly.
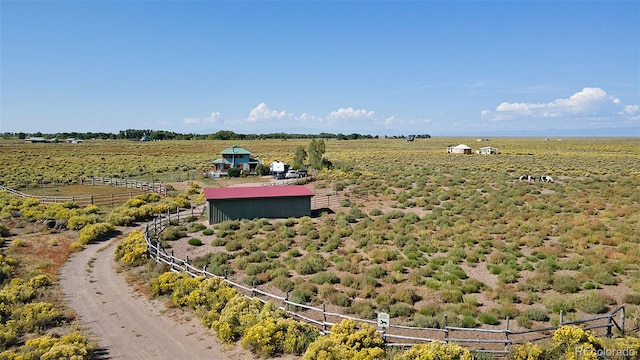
(98, 200)
(494, 341)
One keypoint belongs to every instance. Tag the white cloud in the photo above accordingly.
(350, 113)
(191, 121)
(308, 118)
(630, 110)
(212, 118)
(262, 112)
(589, 102)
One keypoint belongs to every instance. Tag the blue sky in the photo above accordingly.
(380, 68)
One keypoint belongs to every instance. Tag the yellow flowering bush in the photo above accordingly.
(8, 334)
(273, 336)
(435, 351)
(38, 315)
(164, 283)
(347, 341)
(526, 351)
(132, 250)
(239, 314)
(186, 292)
(95, 232)
(572, 342)
(72, 347)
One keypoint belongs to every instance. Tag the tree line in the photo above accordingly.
(155, 135)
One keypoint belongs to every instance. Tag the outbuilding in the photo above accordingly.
(459, 149)
(253, 202)
(488, 150)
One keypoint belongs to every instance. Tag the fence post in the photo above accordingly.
(158, 251)
(286, 298)
(506, 336)
(446, 330)
(561, 317)
(253, 289)
(324, 318)
(169, 216)
(622, 319)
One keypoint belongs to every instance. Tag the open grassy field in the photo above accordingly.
(421, 233)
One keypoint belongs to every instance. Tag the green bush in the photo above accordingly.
(401, 310)
(195, 227)
(364, 309)
(565, 284)
(375, 212)
(283, 283)
(632, 298)
(536, 314)
(195, 242)
(207, 232)
(234, 172)
(324, 277)
(488, 319)
(591, 302)
(310, 264)
(171, 233)
(524, 321)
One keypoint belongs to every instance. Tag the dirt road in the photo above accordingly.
(127, 325)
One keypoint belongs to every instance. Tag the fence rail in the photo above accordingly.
(495, 341)
(99, 200)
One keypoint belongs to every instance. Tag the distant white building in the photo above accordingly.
(459, 149)
(488, 150)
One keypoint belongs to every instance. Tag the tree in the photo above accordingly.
(299, 157)
(316, 152)
(262, 170)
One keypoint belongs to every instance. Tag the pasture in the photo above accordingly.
(420, 233)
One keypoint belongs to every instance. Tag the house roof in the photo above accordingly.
(234, 150)
(221, 161)
(252, 192)
(462, 146)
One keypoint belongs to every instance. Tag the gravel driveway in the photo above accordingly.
(126, 324)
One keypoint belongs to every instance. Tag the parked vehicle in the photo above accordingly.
(291, 174)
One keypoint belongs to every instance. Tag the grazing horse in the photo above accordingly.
(546, 178)
(527, 178)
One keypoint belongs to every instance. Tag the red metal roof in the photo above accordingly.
(249, 192)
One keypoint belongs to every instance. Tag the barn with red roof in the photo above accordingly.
(253, 202)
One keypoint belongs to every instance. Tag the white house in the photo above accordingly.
(459, 149)
(488, 150)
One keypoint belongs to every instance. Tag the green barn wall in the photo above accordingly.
(235, 209)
